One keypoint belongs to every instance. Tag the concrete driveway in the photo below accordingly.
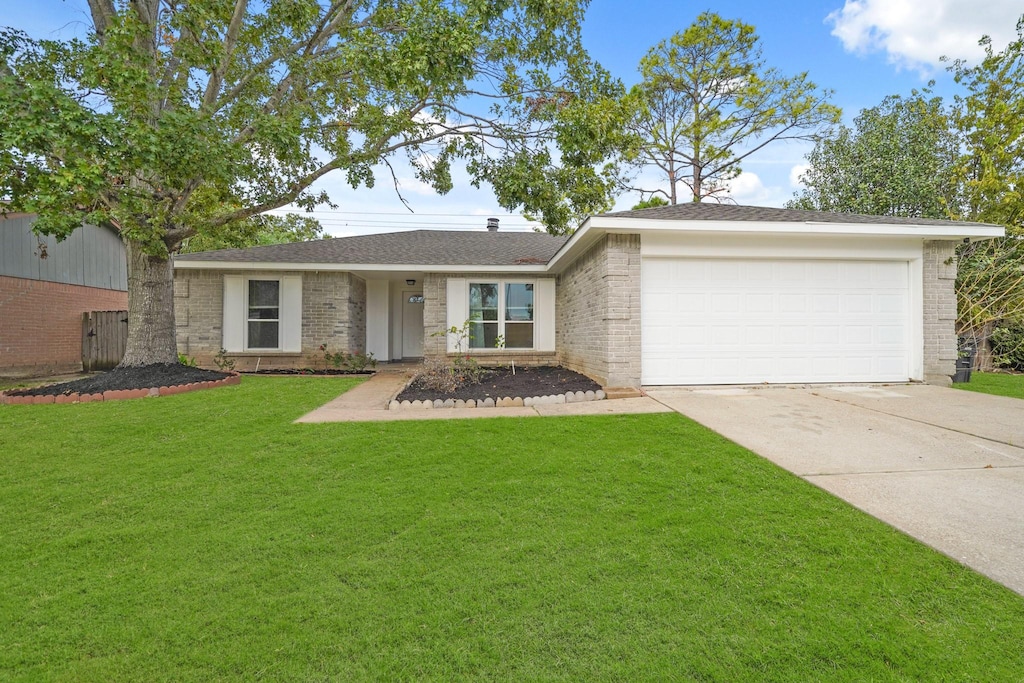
(943, 465)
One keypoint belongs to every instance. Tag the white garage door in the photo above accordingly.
(729, 321)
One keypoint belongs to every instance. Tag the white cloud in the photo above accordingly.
(747, 188)
(795, 173)
(915, 33)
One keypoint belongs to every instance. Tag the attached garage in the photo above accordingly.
(718, 294)
(746, 321)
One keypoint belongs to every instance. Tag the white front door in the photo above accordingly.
(747, 321)
(412, 323)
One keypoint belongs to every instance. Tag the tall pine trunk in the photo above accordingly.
(151, 337)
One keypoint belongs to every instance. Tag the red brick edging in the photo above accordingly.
(119, 394)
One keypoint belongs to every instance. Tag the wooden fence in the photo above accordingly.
(104, 336)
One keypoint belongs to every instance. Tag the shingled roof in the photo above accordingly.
(713, 211)
(415, 248)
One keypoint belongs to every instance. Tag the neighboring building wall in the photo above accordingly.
(435, 322)
(90, 256)
(333, 313)
(46, 285)
(41, 324)
(939, 299)
(598, 312)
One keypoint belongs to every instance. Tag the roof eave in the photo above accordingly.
(594, 227)
(952, 231)
(186, 264)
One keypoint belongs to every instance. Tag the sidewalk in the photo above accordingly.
(368, 403)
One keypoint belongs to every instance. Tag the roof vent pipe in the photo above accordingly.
(492, 225)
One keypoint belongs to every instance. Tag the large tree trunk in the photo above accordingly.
(151, 337)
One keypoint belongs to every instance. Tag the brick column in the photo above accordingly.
(939, 299)
(622, 312)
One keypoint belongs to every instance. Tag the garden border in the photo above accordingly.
(504, 402)
(120, 394)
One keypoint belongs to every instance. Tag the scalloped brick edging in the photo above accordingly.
(120, 394)
(509, 402)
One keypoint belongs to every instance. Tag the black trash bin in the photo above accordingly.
(965, 360)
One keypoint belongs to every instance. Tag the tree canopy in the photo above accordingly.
(900, 158)
(707, 102)
(990, 118)
(179, 120)
(916, 156)
(257, 230)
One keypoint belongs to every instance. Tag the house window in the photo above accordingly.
(264, 314)
(501, 309)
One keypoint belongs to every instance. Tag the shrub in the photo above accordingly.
(223, 363)
(1008, 346)
(449, 377)
(357, 362)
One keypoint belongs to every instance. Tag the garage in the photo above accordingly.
(747, 321)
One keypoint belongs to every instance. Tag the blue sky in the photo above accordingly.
(863, 50)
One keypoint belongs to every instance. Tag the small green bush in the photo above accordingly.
(342, 360)
(1008, 346)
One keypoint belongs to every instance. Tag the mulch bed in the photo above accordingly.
(309, 371)
(118, 379)
(501, 383)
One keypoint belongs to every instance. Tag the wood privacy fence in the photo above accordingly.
(104, 336)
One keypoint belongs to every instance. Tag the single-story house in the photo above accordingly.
(674, 295)
(46, 286)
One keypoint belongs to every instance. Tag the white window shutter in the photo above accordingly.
(544, 314)
(458, 307)
(233, 323)
(291, 313)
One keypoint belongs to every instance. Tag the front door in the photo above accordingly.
(412, 324)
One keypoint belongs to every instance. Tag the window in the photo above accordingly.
(264, 314)
(501, 309)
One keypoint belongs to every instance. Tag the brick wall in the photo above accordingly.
(41, 324)
(435, 322)
(598, 312)
(939, 299)
(435, 317)
(333, 313)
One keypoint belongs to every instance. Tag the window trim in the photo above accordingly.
(234, 327)
(501, 284)
(246, 319)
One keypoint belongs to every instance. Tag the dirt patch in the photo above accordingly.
(144, 377)
(501, 383)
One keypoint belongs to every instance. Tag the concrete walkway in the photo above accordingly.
(368, 402)
(943, 465)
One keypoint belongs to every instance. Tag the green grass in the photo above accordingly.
(205, 537)
(995, 383)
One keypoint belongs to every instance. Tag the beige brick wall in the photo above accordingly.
(435, 322)
(598, 312)
(333, 313)
(939, 299)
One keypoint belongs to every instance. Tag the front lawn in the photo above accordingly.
(996, 383)
(205, 537)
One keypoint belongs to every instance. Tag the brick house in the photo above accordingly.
(46, 285)
(685, 294)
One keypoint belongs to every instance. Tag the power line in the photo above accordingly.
(453, 224)
(390, 213)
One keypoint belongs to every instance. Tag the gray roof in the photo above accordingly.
(713, 211)
(419, 247)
